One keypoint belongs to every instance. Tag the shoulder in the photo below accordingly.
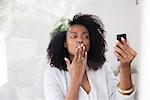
(54, 85)
(53, 73)
(49, 69)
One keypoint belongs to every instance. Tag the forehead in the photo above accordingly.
(77, 28)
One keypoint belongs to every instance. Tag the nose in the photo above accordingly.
(80, 40)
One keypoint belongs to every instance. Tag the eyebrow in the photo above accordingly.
(77, 33)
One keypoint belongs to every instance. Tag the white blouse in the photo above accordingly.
(103, 85)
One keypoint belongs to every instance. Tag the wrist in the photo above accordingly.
(73, 91)
(126, 91)
(125, 65)
(125, 71)
(75, 82)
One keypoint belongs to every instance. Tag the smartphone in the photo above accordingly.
(119, 38)
(121, 35)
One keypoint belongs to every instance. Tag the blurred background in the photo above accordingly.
(24, 37)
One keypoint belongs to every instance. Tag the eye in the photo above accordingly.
(73, 36)
(85, 36)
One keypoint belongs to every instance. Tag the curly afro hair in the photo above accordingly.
(96, 55)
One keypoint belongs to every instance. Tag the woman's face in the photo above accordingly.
(77, 35)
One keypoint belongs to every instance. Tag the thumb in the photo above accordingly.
(67, 63)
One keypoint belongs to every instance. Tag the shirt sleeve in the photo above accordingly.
(112, 82)
(52, 90)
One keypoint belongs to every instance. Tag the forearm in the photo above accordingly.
(73, 91)
(125, 76)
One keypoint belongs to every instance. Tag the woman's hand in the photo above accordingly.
(76, 69)
(126, 55)
(124, 52)
(78, 65)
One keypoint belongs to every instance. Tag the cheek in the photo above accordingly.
(87, 45)
(71, 47)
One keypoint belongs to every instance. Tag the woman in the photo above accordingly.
(78, 68)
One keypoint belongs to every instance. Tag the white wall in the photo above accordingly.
(27, 24)
(3, 60)
(118, 16)
(144, 69)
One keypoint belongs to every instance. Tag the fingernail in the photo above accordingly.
(122, 39)
(65, 59)
(86, 53)
(82, 44)
(83, 47)
(78, 47)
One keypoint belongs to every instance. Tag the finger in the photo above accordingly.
(128, 52)
(122, 46)
(122, 59)
(76, 54)
(83, 53)
(85, 58)
(67, 62)
(118, 56)
(125, 47)
(131, 54)
(125, 55)
(80, 54)
(131, 51)
(124, 41)
(120, 51)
